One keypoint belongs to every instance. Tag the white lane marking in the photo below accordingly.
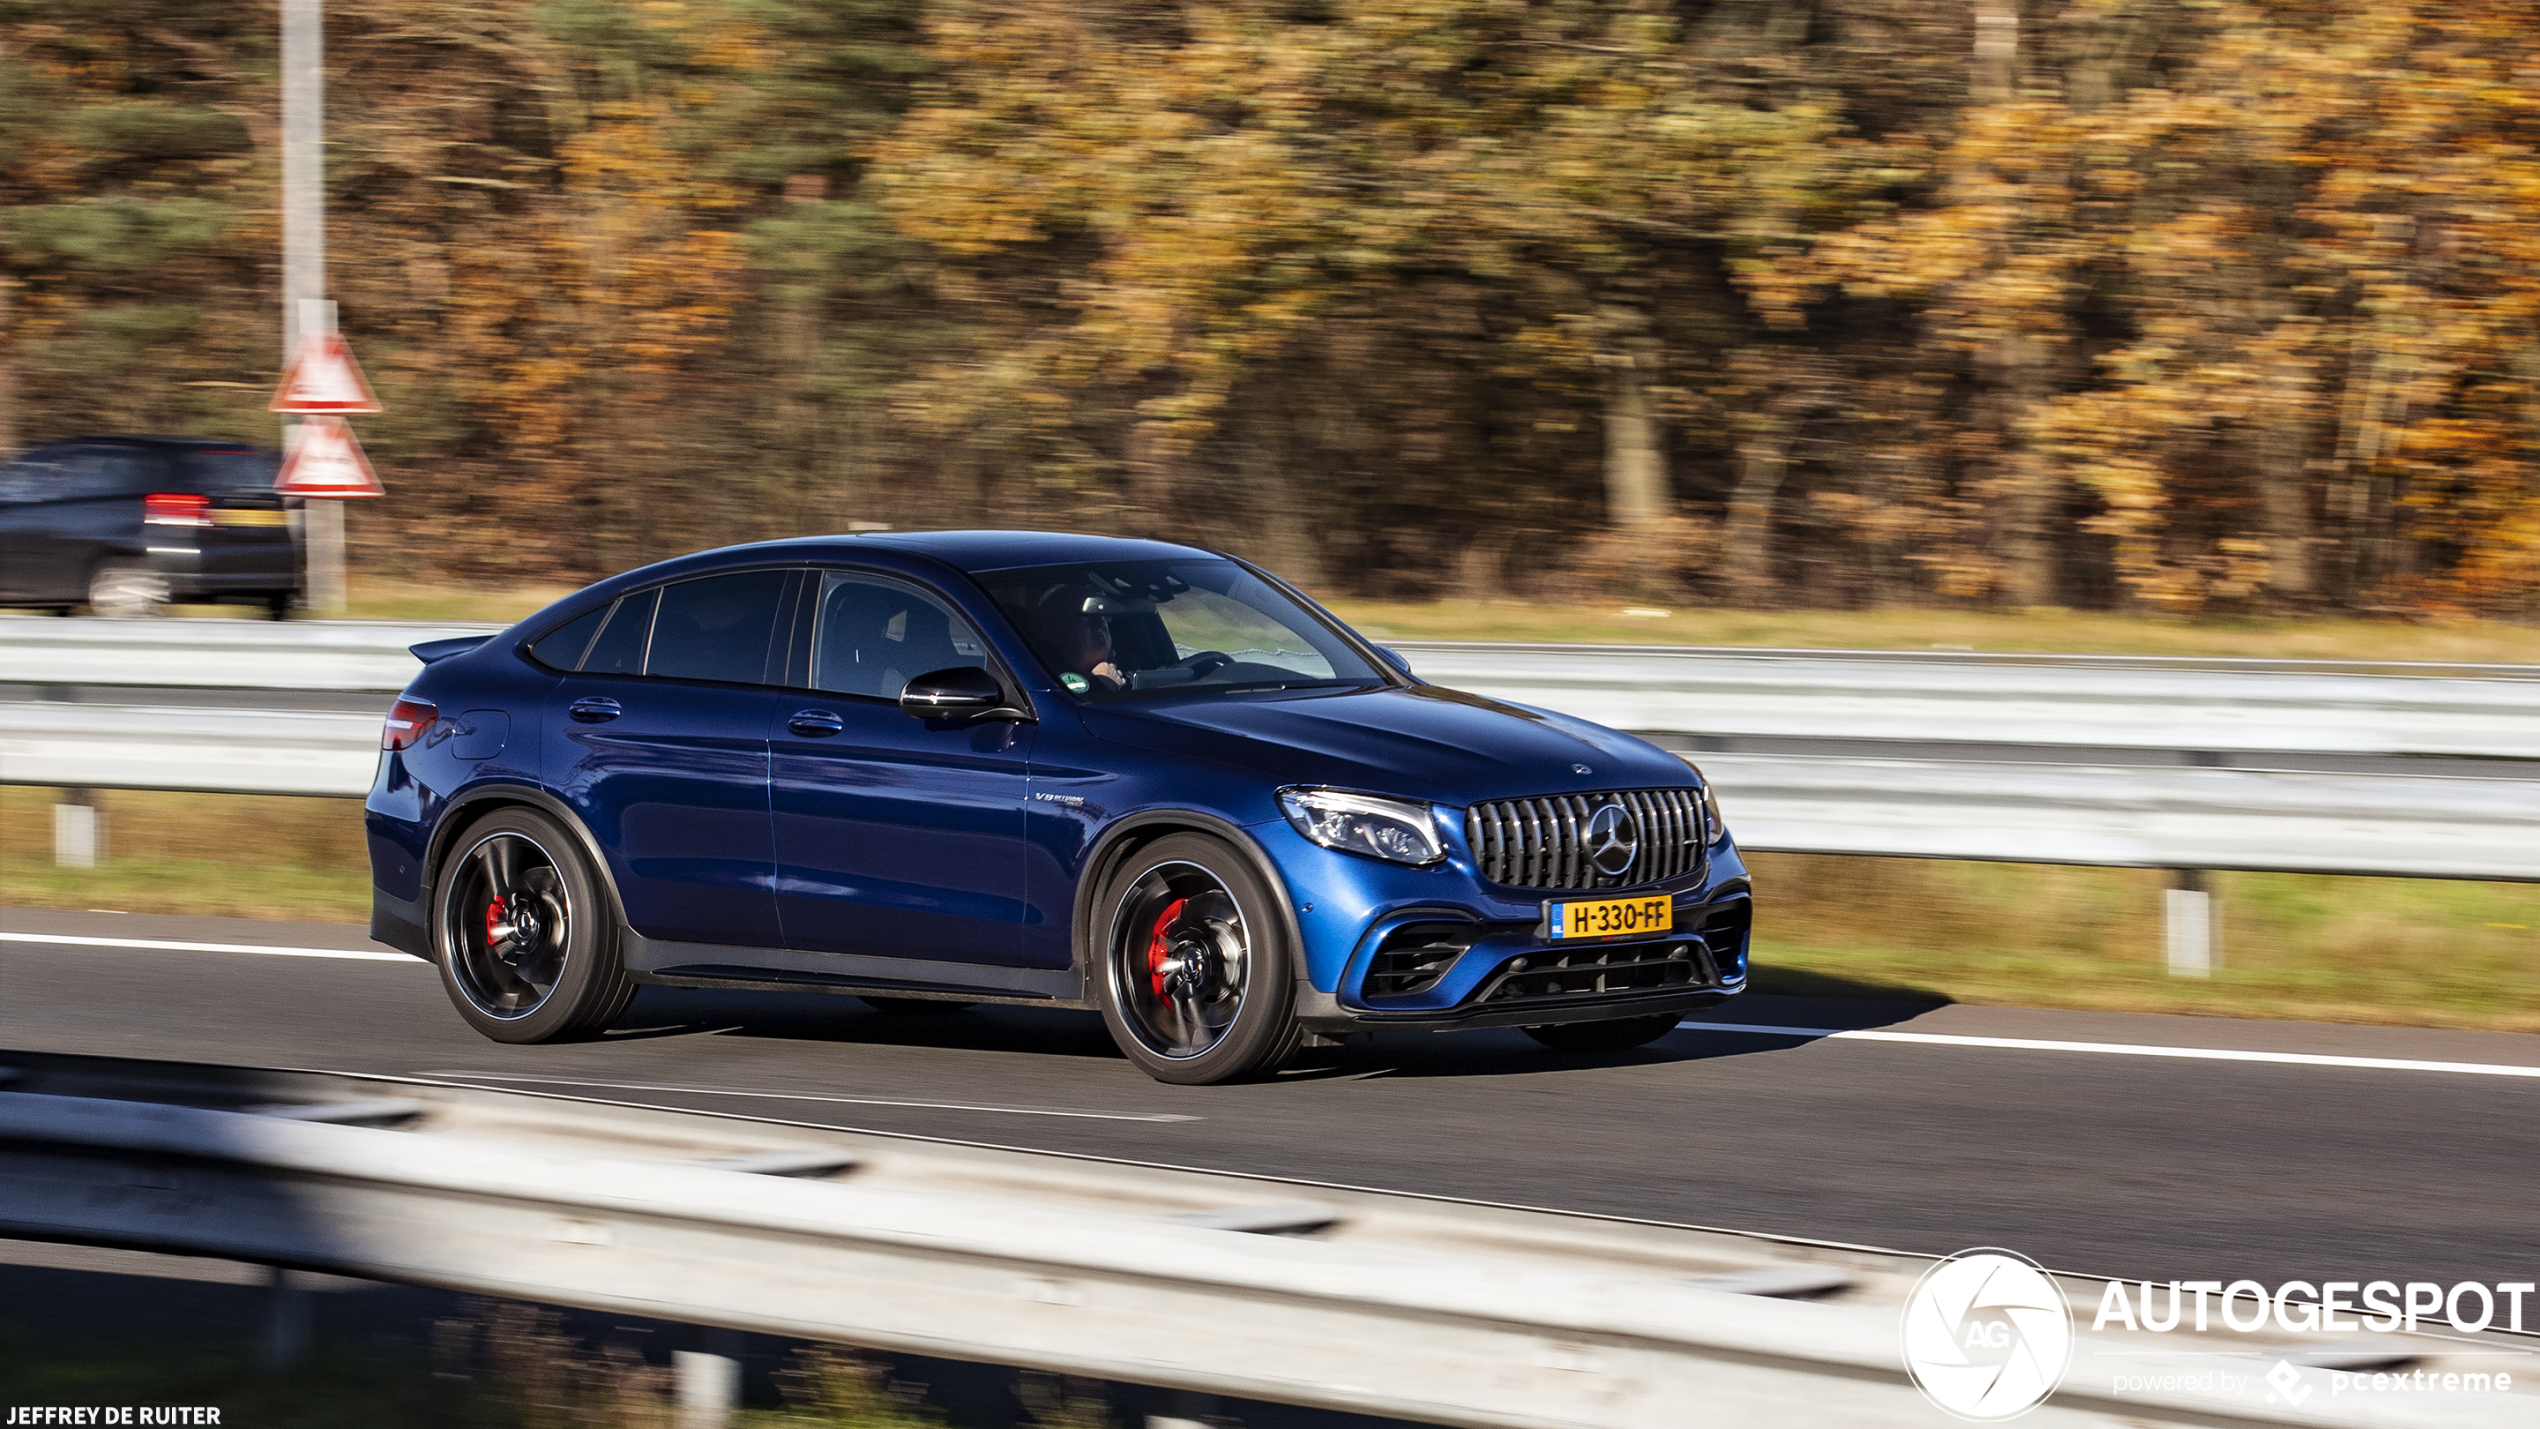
(820, 1097)
(2116, 1049)
(166, 945)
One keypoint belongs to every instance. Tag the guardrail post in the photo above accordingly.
(707, 1379)
(77, 826)
(289, 1314)
(2187, 920)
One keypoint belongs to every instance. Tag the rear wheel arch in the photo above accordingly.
(474, 804)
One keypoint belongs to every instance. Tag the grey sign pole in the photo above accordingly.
(304, 256)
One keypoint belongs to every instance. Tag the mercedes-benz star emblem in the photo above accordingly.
(1613, 840)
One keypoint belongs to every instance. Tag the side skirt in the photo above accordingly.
(791, 970)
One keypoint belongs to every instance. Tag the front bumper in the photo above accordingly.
(1440, 948)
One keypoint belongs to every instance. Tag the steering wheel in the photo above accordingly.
(1205, 661)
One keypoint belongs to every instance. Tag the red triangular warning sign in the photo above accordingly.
(326, 461)
(323, 378)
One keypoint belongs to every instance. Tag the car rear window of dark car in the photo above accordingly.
(210, 472)
(716, 628)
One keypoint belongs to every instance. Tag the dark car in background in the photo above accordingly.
(935, 769)
(128, 525)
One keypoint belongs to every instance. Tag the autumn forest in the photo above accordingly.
(2192, 306)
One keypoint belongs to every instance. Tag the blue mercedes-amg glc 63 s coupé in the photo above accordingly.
(934, 769)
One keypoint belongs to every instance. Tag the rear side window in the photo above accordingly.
(90, 470)
(871, 637)
(620, 648)
(563, 649)
(717, 628)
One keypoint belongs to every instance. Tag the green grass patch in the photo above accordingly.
(224, 855)
(2418, 952)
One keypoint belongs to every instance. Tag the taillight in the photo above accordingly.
(176, 508)
(407, 720)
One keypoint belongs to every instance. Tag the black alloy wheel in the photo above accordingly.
(1618, 1034)
(1197, 977)
(524, 934)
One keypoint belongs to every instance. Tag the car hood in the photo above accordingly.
(1423, 742)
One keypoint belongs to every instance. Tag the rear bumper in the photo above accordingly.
(399, 924)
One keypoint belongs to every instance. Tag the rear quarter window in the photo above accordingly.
(563, 648)
(620, 648)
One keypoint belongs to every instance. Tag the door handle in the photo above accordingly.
(815, 724)
(594, 709)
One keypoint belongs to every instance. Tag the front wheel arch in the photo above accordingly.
(1124, 838)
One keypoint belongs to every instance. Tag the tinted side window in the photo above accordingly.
(716, 628)
(872, 636)
(562, 649)
(88, 470)
(620, 648)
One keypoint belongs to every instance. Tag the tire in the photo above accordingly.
(1620, 1034)
(912, 1006)
(124, 592)
(277, 604)
(1195, 964)
(524, 933)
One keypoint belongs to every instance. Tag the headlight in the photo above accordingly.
(1711, 820)
(1395, 830)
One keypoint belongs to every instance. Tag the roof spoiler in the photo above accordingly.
(434, 650)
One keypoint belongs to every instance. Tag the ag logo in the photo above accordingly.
(1987, 1335)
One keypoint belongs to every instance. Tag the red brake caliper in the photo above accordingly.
(493, 919)
(1158, 947)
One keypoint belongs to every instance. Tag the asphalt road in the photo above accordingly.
(2136, 1165)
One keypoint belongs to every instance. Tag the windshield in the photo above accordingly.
(1122, 629)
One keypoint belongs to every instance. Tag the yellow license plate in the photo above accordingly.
(250, 517)
(1609, 918)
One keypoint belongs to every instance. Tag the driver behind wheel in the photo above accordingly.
(1078, 640)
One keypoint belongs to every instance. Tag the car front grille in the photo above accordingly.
(1541, 843)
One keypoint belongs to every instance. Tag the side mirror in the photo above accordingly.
(1394, 658)
(962, 692)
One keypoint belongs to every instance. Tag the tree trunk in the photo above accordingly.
(2282, 446)
(1763, 459)
(2030, 489)
(1636, 494)
(1994, 73)
(8, 369)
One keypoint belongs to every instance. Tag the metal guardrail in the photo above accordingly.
(219, 654)
(2077, 701)
(1427, 1310)
(227, 751)
(2030, 806)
